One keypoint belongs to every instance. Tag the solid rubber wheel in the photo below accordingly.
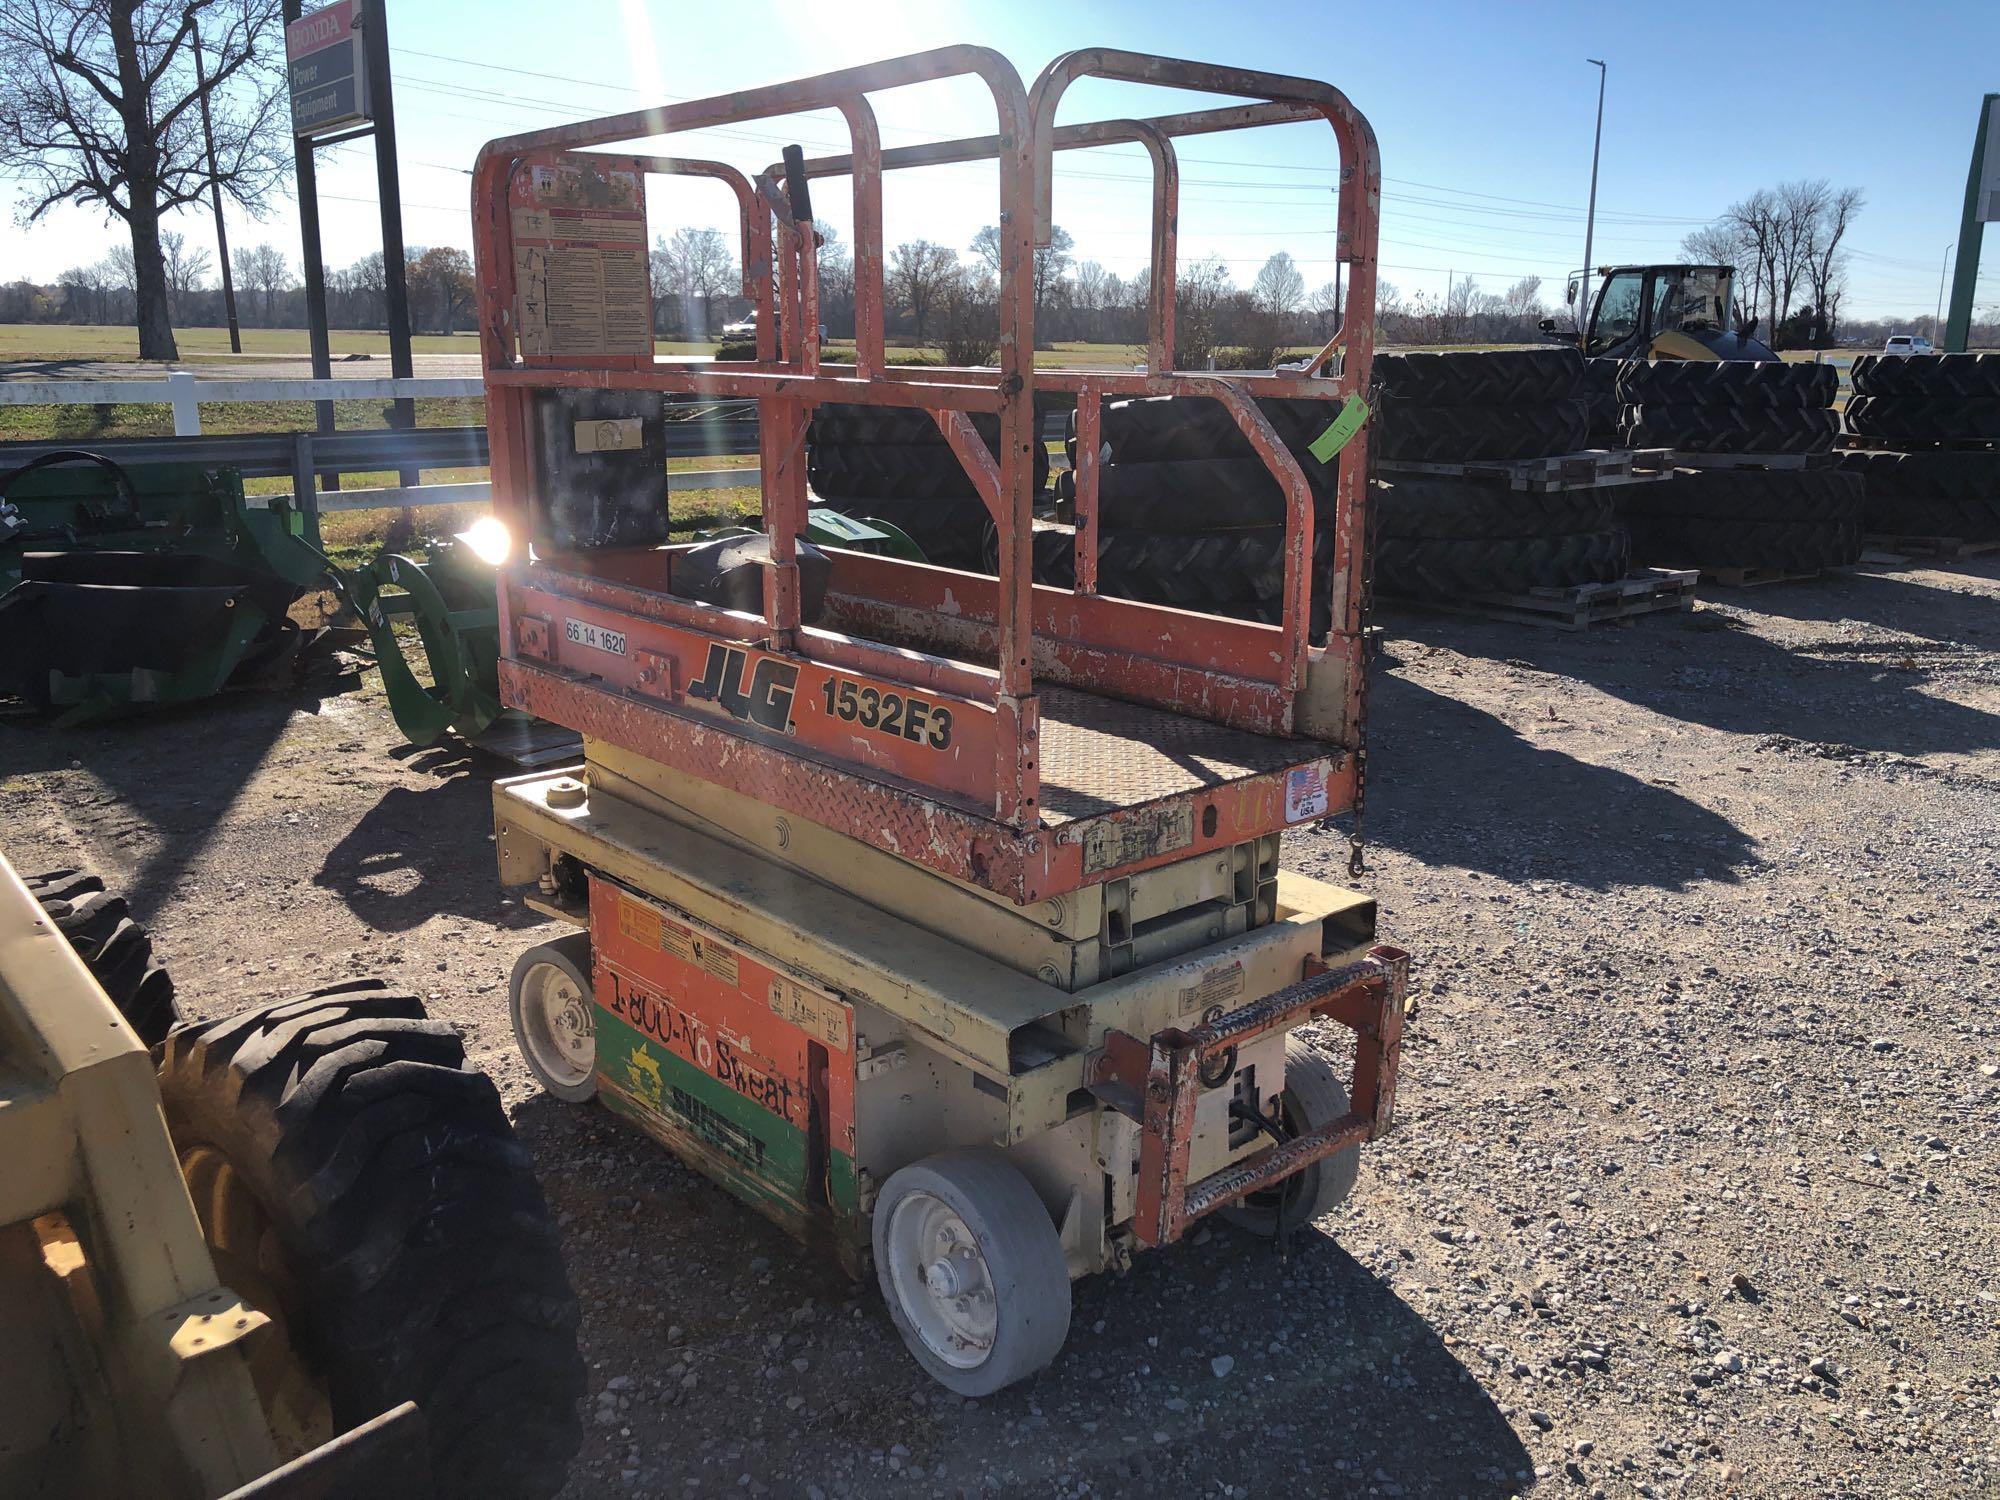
(549, 1002)
(1313, 1096)
(360, 1181)
(972, 1269)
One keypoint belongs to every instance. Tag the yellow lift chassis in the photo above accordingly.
(935, 913)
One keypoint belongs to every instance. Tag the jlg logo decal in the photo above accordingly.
(766, 700)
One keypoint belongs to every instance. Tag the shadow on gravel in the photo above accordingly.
(1456, 786)
(174, 773)
(1944, 605)
(421, 851)
(1213, 1362)
(1704, 669)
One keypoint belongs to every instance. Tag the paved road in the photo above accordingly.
(235, 367)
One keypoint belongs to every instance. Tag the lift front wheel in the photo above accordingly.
(1313, 1096)
(548, 999)
(972, 1269)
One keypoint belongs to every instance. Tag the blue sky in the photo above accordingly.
(1483, 113)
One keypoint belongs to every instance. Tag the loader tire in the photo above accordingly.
(1925, 419)
(1497, 377)
(1698, 427)
(1777, 546)
(1820, 496)
(1458, 509)
(117, 950)
(1418, 433)
(1737, 382)
(1420, 568)
(1957, 377)
(358, 1181)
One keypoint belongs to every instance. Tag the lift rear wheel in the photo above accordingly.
(972, 1269)
(1313, 1096)
(548, 998)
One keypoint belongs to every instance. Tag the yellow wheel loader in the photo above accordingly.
(296, 1252)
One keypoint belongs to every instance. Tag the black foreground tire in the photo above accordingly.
(1740, 382)
(1926, 419)
(1462, 434)
(1497, 377)
(1197, 495)
(400, 1217)
(1156, 428)
(117, 950)
(1701, 428)
(1952, 376)
(1418, 568)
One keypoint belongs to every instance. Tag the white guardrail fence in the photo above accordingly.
(186, 394)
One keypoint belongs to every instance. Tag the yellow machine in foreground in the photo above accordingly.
(233, 1271)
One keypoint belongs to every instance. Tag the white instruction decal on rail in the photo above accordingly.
(1305, 792)
(582, 633)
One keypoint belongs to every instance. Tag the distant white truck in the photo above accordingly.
(1903, 345)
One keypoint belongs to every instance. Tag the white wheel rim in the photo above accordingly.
(941, 1280)
(556, 1025)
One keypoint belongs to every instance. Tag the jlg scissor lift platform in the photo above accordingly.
(945, 927)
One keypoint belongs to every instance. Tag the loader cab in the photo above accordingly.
(1636, 305)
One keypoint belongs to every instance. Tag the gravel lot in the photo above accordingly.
(1693, 1186)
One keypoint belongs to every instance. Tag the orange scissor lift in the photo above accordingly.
(939, 918)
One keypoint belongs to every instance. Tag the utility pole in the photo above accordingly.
(1982, 206)
(1937, 318)
(1590, 216)
(215, 195)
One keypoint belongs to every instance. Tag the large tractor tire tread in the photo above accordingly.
(427, 1265)
(1201, 494)
(1700, 428)
(1238, 572)
(1458, 510)
(1442, 569)
(1831, 496)
(1917, 515)
(1418, 433)
(1952, 377)
(1942, 474)
(1726, 382)
(839, 424)
(1925, 419)
(117, 950)
(1174, 428)
(1497, 377)
(1775, 546)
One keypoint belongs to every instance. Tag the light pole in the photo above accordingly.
(1590, 218)
(1937, 319)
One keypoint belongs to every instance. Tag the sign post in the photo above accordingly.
(1982, 207)
(338, 64)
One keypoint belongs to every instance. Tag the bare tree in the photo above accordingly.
(836, 281)
(441, 279)
(264, 270)
(1279, 288)
(186, 264)
(1052, 261)
(1825, 264)
(694, 268)
(1198, 297)
(919, 273)
(1781, 240)
(99, 104)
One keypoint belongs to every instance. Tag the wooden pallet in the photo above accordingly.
(1941, 548)
(1594, 468)
(1648, 591)
(1686, 460)
(1746, 578)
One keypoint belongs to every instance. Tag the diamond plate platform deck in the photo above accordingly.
(1100, 754)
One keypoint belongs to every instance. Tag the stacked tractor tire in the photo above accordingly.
(1925, 442)
(1762, 496)
(1445, 536)
(1188, 515)
(894, 464)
